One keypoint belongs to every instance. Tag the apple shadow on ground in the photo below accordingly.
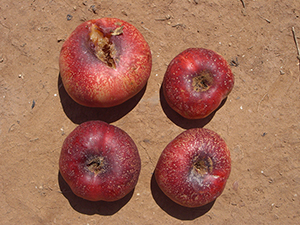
(173, 209)
(89, 207)
(78, 113)
(179, 120)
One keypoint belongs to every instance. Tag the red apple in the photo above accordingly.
(104, 62)
(196, 82)
(193, 169)
(99, 162)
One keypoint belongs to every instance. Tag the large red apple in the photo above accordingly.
(196, 82)
(193, 169)
(104, 62)
(99, 162)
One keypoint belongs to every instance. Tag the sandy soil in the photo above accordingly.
(259, 121)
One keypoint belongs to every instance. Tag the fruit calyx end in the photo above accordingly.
(96, 165)
(203, 81)
(203, 165)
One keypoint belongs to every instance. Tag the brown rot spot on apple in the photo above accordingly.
(203, 81)
(103, 48)
(203, 165)
(96, 165)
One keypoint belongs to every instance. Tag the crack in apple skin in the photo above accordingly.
(177, 170)
(196, 81)
(102, 46)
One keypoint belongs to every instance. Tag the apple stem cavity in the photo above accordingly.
(104, 49)
(203, 166)
(96, 165)
(202, 81)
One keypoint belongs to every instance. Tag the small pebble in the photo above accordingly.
(69, 17)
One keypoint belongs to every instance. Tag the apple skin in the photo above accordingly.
(194, 167)
(99, 162)
(90, 81)
(196, 82)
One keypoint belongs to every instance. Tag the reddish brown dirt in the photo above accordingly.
(259, 120)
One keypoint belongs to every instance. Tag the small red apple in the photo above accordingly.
(99, 162)
(196, 82)
(193, 169)
(104, 62)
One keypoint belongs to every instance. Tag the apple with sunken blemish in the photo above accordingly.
(104, 62)
(194, 167)
(196, 82)
(99, 162)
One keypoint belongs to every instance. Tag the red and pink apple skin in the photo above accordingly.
(99, 162)
(194, 167)
(94, 83)
(196, 81)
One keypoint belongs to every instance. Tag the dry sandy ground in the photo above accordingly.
(259, 121)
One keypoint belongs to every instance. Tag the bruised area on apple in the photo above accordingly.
(104, 62)
(99, 162)
(196, 82)
(194, 167)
